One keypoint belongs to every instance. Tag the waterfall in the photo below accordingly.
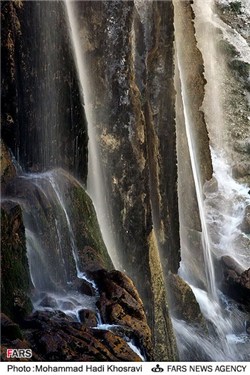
(52, 247)
(221, 204)
(131, 171)
(95, 182)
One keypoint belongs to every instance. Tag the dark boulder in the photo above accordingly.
(88, 318)
(236, 281)
(15, 279)
(9, 329)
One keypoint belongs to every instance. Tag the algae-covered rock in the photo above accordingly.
(15, 279)
(183, 302)
(60, 222)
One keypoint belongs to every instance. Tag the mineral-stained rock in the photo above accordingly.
(15, 280)
(112, 51)
(182, 301)
(236, 281)
(7, 168)
(48, 213)
(120, 304)
(88, 318)
(91, 260)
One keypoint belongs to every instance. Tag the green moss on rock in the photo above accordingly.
(15, 284)
(82, 216)
(183, 302)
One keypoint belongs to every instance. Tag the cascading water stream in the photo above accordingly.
(95, 185)
(221, 203)
(51, 245)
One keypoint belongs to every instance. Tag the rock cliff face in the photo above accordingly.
(54, 336)
(161, 132)
(135, 141)
(191, 64)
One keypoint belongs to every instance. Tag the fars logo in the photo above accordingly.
(19, 353)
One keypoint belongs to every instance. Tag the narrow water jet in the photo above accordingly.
(95, 185)
(206, 243)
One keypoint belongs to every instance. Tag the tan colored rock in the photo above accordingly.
(7, 168)
(120, 304)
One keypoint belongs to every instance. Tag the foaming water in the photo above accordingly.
(70, 302)
(226, 207)
(197, 345)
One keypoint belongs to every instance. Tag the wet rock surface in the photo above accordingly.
(241, 170)
(49, 214)
(121, 305)
(8, 170)
(183, 303)
(53, 336)
(236, 281)
(235, 16)
(15, 279)
(126, 101)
